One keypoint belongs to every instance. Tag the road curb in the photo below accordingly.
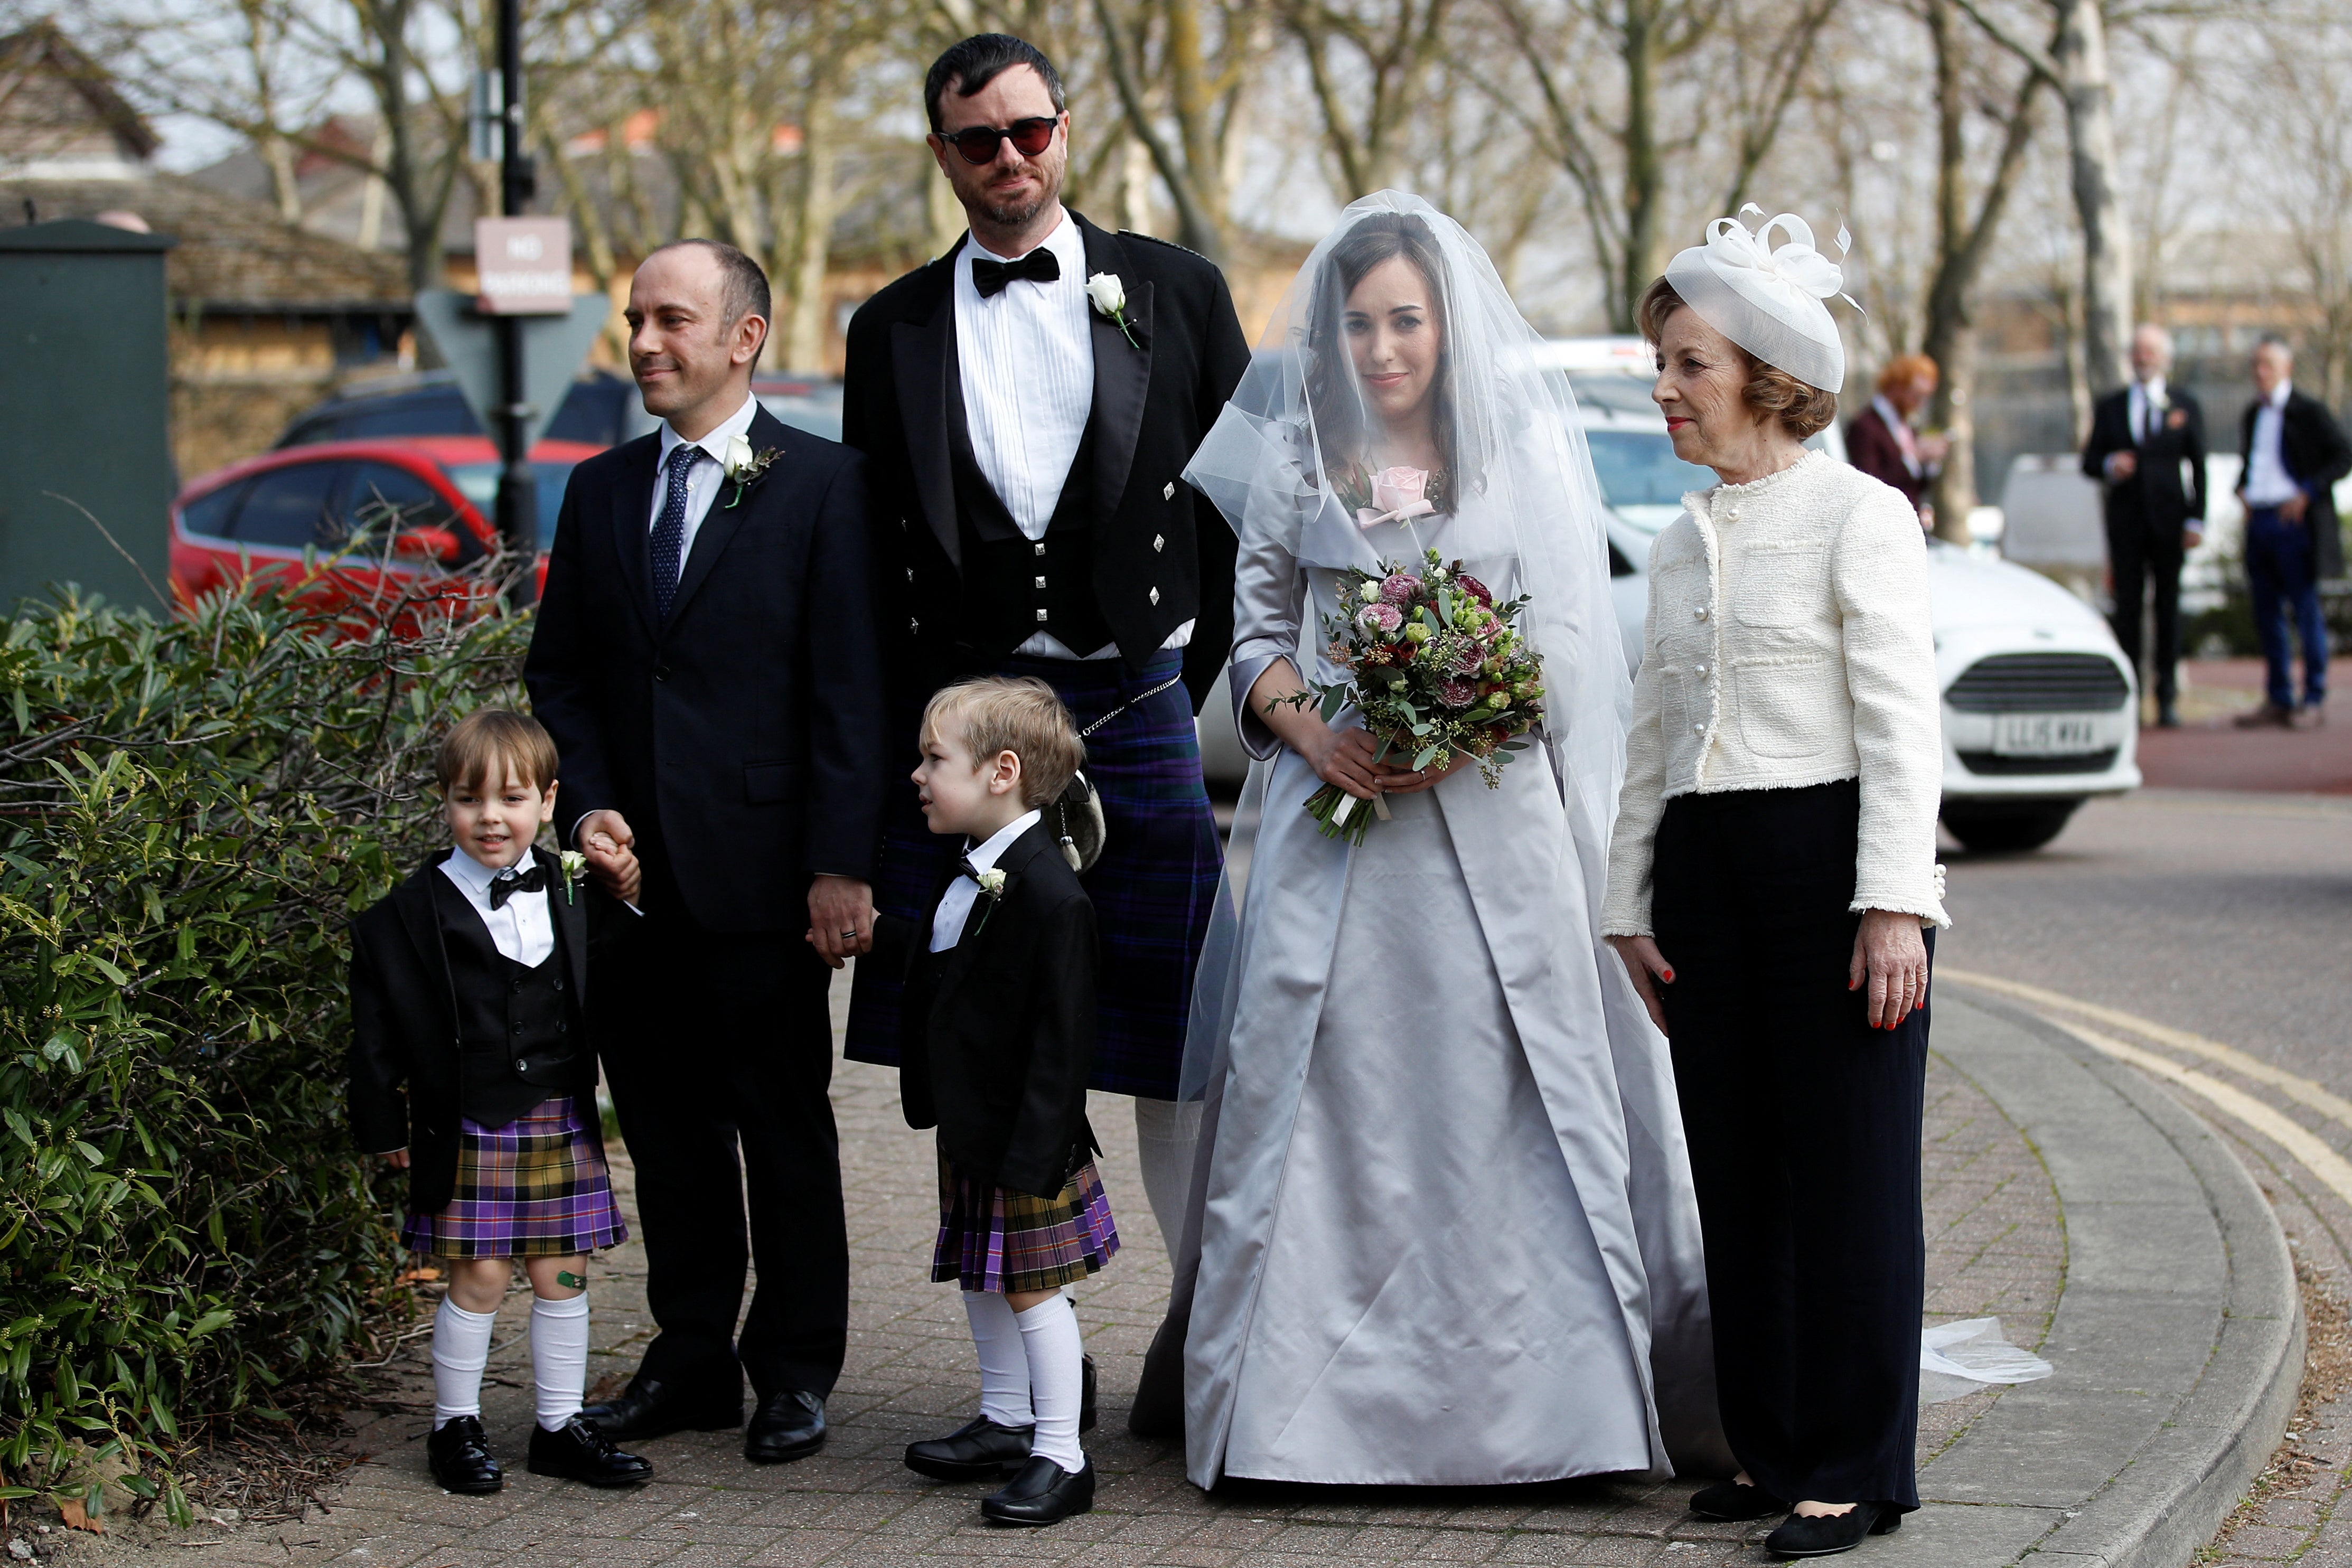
(2178, 1340)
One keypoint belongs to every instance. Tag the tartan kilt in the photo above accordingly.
(536, 1187)
(1153, 889)
(993, 1238)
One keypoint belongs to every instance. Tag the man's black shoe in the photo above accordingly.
(1086, 1394)
(1826, 1536)
(1043, 1493)
(979, 1451)
(579, 1451)
(651, 1407)
(1729, 1500)
(459, 1457)
(2167, 716)
(786, 1426)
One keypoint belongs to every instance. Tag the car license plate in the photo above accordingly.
(2045, 733)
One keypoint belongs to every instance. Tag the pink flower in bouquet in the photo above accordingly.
(1476, 589)
(1382, 618)
(1467, 657)
(1397, 494)
(1400, 588)
(1456, 694)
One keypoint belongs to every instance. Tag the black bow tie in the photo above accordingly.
(1040, 265)
(510, 882)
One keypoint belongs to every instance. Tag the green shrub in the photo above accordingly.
(190, 811)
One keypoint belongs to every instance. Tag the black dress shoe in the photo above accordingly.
(1043, 1493)
(979, 1451)
(1086, 1394)
(2167, 716)
(459, 1457)
(1734, 1501)
(579, 1451)
(652, 1407)
(786, 1426)
(1831, 1534)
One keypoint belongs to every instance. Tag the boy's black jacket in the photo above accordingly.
(404, 1028)
(998, 1032)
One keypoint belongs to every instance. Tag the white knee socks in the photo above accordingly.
(1003, 1365)
(558, 1357)
(1049, 1338)
(461, 1349)
(1167, 1133)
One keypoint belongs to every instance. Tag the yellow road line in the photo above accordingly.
(2314, 1157)
(2301, 1090)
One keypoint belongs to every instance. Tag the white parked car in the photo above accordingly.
(2040, 713)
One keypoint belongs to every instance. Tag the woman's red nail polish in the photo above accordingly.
(1668, 975)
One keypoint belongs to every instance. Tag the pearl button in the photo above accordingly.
(1732, 516)
(1698, 669)
(1699, 614)
(1698, 729)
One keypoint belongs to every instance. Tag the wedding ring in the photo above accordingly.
(849, 936)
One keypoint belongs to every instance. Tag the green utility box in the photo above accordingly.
(84, 400)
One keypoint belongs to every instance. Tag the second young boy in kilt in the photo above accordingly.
(471, 1071)
(996, 1045)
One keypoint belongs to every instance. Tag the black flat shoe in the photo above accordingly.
(579, 1451)
(459, 1457)
(1828, 1536)
(1086, 1394)
(1735, 1500)
(786, 1426)
(652, 1407)
(979, 1451)
(1043, 1493)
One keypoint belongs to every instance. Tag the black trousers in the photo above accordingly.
(718, 1049)
(2138, 555)
(1804, 1127)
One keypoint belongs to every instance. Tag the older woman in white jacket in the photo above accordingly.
(1773, 886)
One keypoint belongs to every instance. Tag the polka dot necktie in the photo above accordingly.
(669, 528)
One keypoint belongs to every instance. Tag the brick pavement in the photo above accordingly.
(1997, 1246)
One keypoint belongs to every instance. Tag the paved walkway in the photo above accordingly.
(2209, 752)
(1999, 1223)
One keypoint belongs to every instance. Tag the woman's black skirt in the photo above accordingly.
(1804, 1123)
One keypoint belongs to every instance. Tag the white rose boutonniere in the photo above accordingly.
(745, 467)
(1108, 297)
(992, 883)
(576, 866)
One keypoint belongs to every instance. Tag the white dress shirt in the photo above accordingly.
(2268, 483)
(523, 928)
(2148, 406)
(709, 473)
(955, 904)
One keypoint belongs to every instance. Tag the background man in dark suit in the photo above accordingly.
(706, 659)
(2295, 451)
(2147, 448)
(1029, 401)
(1880, 441)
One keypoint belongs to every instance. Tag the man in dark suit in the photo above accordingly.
(1029, 401)
(2148, 450)
(2295, 452)
(707, 661)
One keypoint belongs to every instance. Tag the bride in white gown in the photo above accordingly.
(1445, 1232)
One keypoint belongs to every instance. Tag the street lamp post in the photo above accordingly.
(518, 502)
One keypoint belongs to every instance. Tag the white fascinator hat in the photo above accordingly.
(1771, 300)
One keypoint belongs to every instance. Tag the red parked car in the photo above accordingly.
(383, 519)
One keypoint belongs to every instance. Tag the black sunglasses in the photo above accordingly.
(978, 143)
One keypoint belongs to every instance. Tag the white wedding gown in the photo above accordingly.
(1448, 1234)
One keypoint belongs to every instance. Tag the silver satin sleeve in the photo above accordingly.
(1269, 604)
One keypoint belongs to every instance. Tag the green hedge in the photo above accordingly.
(190, 811)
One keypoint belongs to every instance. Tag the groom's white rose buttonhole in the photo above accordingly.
(1108, 297)
(745, 467)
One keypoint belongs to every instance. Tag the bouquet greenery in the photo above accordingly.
(1438, 669)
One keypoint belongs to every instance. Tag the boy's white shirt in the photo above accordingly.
(955, 904)
(522, 928)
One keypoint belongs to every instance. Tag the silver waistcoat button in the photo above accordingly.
(1169, 494)
(1155, 596)
(1158, 541)
(1041, 582)
(1041, 547)
(1041, 615)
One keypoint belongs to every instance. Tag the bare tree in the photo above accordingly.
(2296, 101)
(1203, 98)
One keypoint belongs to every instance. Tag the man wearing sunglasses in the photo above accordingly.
(1027, 441)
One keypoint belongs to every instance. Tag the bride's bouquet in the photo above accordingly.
(1438, 670)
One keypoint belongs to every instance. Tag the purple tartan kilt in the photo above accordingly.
(1153, 889)
(993, 1238)
(536, 1187)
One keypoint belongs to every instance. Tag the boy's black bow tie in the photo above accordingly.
(510, 882)
(1040, 265)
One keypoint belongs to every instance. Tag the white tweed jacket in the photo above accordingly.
(1788, 643)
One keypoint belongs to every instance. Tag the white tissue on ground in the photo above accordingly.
(1963, 1358)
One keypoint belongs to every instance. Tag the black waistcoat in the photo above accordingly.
(518, 1029)
(1014, 587)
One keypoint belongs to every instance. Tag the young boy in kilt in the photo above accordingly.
(470, 1069)
(997, 1040)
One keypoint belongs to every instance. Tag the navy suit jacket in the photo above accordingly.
(742, 735)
